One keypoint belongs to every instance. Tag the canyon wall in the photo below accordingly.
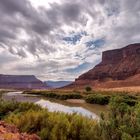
(116, 65)
(20, 82)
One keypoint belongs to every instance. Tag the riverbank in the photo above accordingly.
(66, 105)
(31, 118)
(92, 97)
(93, 101)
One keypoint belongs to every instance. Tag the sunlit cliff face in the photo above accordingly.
(60, 39)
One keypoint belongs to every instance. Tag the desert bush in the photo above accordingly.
(51, 95)
(56, 95)
(88, 89)
(70, 96)
(2, 92)
(105, 99)
(7, 107)
(123, 122)
(128, 99)
(55, 126)
(97, 99)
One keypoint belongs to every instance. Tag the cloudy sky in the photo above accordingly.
(61, 39)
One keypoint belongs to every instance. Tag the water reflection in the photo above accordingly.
(55, 107)
(51, 106)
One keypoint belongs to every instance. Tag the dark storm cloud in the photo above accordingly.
(20, 15)
(70, 12)
(37, 45)
(22, 11)
(59, 15)
(5, 33)
(17, 15)
(37, 34)
(16, 6)
(40, 21)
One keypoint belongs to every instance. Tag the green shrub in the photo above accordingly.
(50, 95)
(2, 92)
(7, 107)
(123, 122)
(70, 96)
(56, 95)
(55, 126)
(88, 89)
(128, 99)
(105, 99)
(97, 99)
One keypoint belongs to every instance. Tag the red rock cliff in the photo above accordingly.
(21, 82)
(120, 64)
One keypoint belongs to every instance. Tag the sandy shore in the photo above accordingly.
(77, 101)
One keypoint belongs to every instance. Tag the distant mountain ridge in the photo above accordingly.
(57, 84)
(20, 82)
(119, 67)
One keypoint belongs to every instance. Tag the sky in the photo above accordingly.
(61, 39)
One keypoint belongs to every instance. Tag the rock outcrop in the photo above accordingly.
(117, 66)
(10, 132)
(20, 82)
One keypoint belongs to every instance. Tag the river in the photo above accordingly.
(67, 106)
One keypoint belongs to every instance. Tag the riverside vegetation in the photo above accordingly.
(92, 97)
(122, 122)
(50, 94)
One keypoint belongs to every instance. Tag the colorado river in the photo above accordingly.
(56, 105)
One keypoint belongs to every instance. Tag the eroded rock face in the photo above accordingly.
(119, 64)
(116, 64)
(20, 82)
(10, 132)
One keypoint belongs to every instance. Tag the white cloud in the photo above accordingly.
(43, 3)
(31, 40)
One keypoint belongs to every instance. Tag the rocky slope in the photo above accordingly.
(120, 67)
(20, 82)
(10, 132)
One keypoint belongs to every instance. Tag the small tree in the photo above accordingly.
(88, 89)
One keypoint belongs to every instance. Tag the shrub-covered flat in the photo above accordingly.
(121, 123)
(92, 97)
(78, 104)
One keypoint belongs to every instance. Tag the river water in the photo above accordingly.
(84, 109)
